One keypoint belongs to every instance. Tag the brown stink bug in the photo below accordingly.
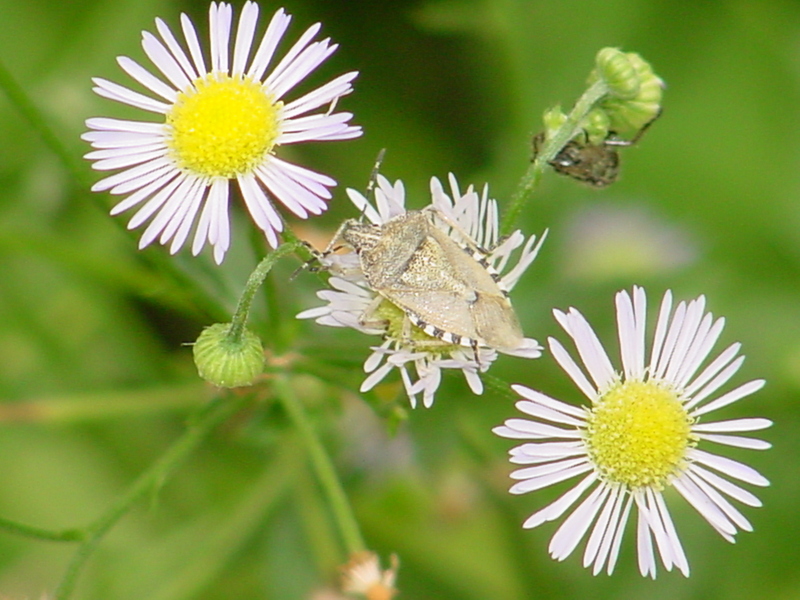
(447, 289)
(595, 164)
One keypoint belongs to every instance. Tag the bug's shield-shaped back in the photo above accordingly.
(415, 265)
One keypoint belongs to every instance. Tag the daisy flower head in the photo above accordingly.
(471, 221)
(220, 118)
(641, 435)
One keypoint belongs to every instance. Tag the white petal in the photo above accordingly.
(715, 367)
(104, 125)
(533, 430)
(176, 50)
(530, 485)
(549, 468)
(631, 345)
(718, 381)
(749, 424)
(147, 79)
(603, 531)
(705, 506)
(549, 402)
(730, 397)
(553, 511)
(167, 64)
(673, 331)
(258, 204)
(155, 203)
(721, 503)
(658, 338)
(244, 37)
(286, 63)
(277, 27)
(528, 255)
(572, 530)
(118, 93)
(725, 486)
(220, 17)
(729, 467)
(623, 520)
(542, 412)
(736, 441)
(375, 377)
(644, 546)
(589, 348)
(190, 34)
(288, 73)
(689, 329)
(321, 96)
(699, 351)
(144, 192)
(572, 369)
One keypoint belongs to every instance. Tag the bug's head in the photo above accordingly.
(359, 235)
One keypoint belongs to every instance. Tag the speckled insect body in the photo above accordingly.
(446, 289)
(596, 164)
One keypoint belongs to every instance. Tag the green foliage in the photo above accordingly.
(97, 384)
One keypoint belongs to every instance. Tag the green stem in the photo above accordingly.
(322, 464)
(67, 535)
(553, 145)
(31, 113)
(153, 477)
(253, 283)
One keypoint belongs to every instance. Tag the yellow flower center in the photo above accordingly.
(638, 434)
(413, 337)
(224, 127)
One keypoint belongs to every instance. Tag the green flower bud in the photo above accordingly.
(597, 124)
(553, 119)
(225, 361)
(617, 70)
(635, 91)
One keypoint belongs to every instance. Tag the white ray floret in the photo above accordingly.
(617, 473)
(219, 123)
(468, 214)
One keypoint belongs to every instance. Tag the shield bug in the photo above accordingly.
(446, 289)
(595, 164)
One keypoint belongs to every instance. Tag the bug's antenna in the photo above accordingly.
(373, 176)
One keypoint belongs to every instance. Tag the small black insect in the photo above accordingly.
(595, 164)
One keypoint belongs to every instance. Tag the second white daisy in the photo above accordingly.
(220, 123)
(641, 435)
(355, 303)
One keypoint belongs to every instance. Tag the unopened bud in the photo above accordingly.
(635, 91)
(225, 361)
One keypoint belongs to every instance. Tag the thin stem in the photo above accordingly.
(67, 535)
(568, 130)
(322, 464)
(197, 432)
(253, 283)
(31, 113)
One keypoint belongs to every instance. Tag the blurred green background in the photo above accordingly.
(95, 381)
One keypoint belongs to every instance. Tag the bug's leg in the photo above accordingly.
(536, 144)
(368, 318)
(474, 346)
(316, 257)
(612, 141)
(468, 240)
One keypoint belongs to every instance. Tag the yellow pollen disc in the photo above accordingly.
(638, 434)
(224, 127)
(396, 323)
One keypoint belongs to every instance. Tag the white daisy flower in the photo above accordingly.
(352, 301)
(218, 123)
(641, 435)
